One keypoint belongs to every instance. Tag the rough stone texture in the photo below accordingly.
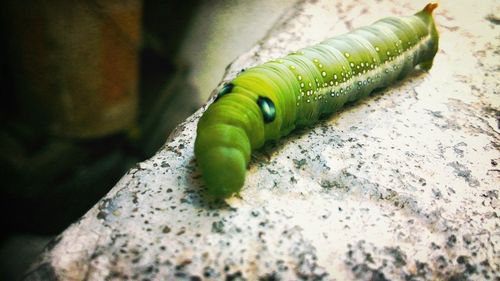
(400, 186)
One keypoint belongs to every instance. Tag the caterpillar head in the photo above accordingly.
(222, 163)
(228, 131)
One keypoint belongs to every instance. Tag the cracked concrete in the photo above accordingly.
(402, 185)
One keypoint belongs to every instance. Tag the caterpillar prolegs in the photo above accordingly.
(268, 101)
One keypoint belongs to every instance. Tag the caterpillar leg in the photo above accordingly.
(426, 65)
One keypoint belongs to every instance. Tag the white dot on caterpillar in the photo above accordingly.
(377, 49)
(320, 65)
(310, 84)
(308, 100)
(347, 54)
(292, 67)
(325, 84)
(351, 64)
(299, 77)
(323, 74)
(315, 60)
(335, 76)
(302, 84)
(388, 53)
(331, 83)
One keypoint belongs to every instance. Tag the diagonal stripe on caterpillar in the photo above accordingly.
(268, 101)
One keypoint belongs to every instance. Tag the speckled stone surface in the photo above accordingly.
(400, 186)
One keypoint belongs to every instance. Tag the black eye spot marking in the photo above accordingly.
(268, 110)
(226, 89)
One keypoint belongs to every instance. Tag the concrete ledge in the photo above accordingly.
(400, 186)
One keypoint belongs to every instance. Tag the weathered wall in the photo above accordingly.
(402, 185)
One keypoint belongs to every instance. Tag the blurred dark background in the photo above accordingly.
(90, 88)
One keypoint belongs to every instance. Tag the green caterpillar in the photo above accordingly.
(268, 101)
